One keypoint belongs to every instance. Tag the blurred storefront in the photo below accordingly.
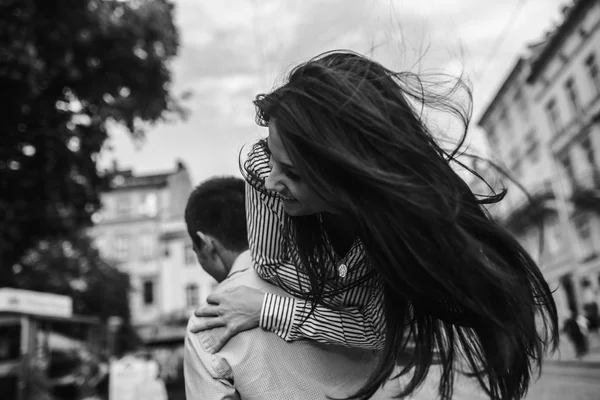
(46, 350)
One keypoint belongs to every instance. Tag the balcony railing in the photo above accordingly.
(579, 121)
(586, 190)
(531, 209)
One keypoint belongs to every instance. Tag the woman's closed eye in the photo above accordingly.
(286, 172)
(291, 175)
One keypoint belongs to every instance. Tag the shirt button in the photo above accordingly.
(342, 270)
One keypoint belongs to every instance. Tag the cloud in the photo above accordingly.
(222, 55)
(233, 49)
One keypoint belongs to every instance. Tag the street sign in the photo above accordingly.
(37, 303)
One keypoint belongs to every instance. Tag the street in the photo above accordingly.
(567, 381)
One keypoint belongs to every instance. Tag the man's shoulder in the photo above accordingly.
(200, 344)
(239, 347)
(200, 340)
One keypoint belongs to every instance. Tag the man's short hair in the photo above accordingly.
(217, 207)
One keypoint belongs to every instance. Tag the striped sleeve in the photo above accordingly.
(291, 318)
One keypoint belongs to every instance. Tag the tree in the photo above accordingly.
(72, 266)
(69, 69)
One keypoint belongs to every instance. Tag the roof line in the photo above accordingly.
(572, 16)
(503, 87)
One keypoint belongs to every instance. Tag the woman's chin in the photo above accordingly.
(293, 208)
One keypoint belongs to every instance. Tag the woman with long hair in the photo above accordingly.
(355, 210)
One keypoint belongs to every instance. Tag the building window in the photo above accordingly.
(592, 67)
(505, 120)
(584, 231)
(568, 166)
(573, 96)
(546, 185)
(147, 244)
(123, 204)
(189, 254)
(148, 292)
(586, 145)
(553, 236)
(521, 104)
(583, 228)
(492, 138)
(533, 147)
(122, 246)
(192, 295)
(148, 204)
(553, 115)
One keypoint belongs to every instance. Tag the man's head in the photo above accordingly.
(215, 216)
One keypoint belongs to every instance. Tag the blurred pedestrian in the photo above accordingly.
(575, 327)
(355, 209)
(590, 306)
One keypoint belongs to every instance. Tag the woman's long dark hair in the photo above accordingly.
(456, 282)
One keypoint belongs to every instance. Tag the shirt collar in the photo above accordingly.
(241, 263)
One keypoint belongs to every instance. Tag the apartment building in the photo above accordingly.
(566, 82)
(543, 127)
(141, 229)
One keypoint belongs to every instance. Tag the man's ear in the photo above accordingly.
(206, 241)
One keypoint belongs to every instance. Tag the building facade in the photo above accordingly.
(142, 230)
(543, 126)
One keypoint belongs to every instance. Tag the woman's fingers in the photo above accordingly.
(208, 311)
(205, 324)
(236, 309)
(214, 298)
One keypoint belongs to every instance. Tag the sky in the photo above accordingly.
(232, 50)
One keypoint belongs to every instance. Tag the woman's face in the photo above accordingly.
(297, 196)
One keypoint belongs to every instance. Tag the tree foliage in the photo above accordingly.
(72, 266)
(69, 69)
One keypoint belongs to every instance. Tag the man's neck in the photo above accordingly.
(228, 257)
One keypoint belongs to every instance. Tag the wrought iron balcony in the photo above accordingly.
(586, 190)
(531, 210)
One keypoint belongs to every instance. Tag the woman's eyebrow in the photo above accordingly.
(284, 164)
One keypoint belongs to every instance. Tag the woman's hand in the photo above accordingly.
(236, 309)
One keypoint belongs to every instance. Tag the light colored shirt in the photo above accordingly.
(355, 318)
(257, 364)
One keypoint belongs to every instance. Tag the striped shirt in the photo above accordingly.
(355, 318)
